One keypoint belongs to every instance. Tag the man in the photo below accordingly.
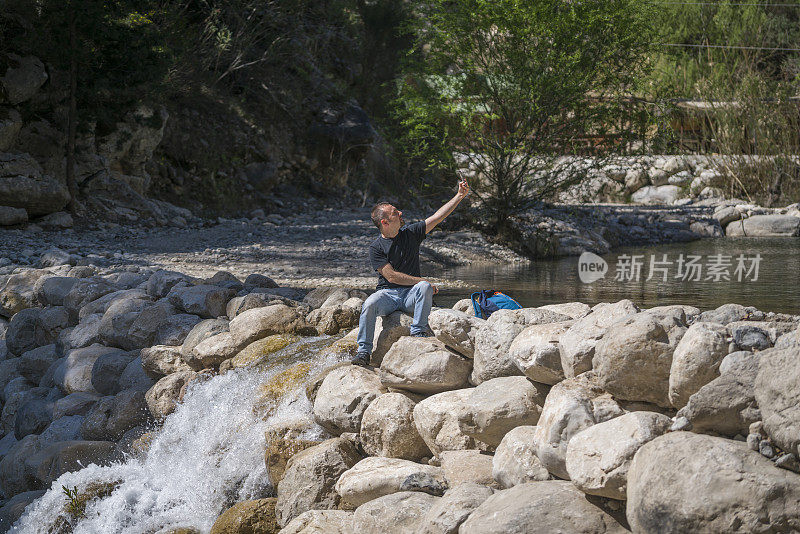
(395, 255)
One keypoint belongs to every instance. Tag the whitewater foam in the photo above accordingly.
(208, 455)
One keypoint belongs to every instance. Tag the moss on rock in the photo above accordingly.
(248, 517)
(273, 390)
(257, 352)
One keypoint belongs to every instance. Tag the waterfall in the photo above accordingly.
(207, 455)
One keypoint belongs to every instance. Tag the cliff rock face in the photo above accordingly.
(110, 169)
(23, 77)
(142, 151)
(23, 184)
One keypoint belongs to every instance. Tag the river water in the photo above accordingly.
(695, 274)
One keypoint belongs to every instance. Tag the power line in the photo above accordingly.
(727, 4)
(775, 49)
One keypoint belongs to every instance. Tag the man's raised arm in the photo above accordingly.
(442, 213)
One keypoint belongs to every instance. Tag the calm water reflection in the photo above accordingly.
(553, 281)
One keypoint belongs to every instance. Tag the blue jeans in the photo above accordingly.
(416, 300)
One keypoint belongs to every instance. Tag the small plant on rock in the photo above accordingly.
(75, 506)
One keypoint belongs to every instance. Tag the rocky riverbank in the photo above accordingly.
(310, 247)
(569, 230)
(591, 419)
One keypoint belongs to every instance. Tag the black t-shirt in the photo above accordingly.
(402, 252)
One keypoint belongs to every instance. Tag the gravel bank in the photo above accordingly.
(317, 248)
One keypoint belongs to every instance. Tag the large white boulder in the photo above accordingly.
(455, 329)
(571, 406)
(536, 353)
(578, 343)
(344, 395)
(540, 508)
(765, 226)
(696, 360)
(398, 512)
(515, 461)
(698, 483)
(203, 330)
(163, 397)
(726, 405)
(633, 360)
(447, 514)
(387, 429)
(573, 310)
(331, 320)
(259, 323)
(436, 419)
(212, 351)
(321, 522)
(662, 194)
(375, 477)
(777, 391)
(309, 478)
(161, 360)
(598, 458)
(388, 329)
(18, 291)
(462, 467)
(493, 340)
(424, 365)
(499, 405)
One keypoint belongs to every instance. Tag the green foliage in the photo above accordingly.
(687, 71)
(737, 66)
(119, 52)
(512, 85)
(75, 506)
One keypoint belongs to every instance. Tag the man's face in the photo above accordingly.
(394, 219)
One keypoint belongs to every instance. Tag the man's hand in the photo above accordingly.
(435, 289)
(463, 188)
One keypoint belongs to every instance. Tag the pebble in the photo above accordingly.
(766, 449)
(681, 423)
(753, 441)
(757, 428)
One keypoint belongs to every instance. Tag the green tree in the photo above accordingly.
(511, 85)
(741, 60)
(722, 44)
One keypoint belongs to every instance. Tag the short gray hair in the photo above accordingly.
(379, 212)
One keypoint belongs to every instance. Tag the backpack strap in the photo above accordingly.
(475, 305)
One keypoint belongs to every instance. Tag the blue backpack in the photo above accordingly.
(488, 301)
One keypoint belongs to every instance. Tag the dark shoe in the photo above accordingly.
(361, 359)
(424, 333)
